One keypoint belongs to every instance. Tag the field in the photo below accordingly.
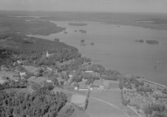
(113, 96)
(100, 109)
(106, 103)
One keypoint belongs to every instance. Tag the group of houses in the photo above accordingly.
(97, 85)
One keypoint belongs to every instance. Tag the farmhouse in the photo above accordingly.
(22, 74)
(76, 86)
(96, 87)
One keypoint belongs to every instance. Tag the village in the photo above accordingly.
(79, 84)
(44, 75)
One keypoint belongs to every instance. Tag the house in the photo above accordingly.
(89, 71)
(83, 86)
(30, 69)
(79, 100)
(19, 61)
(93, 87)
(22, 74)
(48, 55)
(49, 69)
(76, 86)
(61, 81)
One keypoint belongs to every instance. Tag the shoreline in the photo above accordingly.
(155, 83)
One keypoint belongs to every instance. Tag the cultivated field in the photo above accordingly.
(100, 109)
(113, 96)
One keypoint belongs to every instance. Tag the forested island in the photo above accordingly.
(82, 31)
(148, 41)
(152, 41)
(78, 24)
(140, 41)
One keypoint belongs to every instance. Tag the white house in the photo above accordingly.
(88, 71)
(48, 55)
(22, 74)
(19, 61)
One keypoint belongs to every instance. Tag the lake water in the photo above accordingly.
(115, 48)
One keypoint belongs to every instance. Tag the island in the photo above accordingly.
(82, 31)
(77, 24)
(140, 41)
(92, 44)
(152, 41)
(56, 40)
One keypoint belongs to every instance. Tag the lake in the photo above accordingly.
(115, 47)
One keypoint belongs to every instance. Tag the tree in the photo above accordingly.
(125, 102)
(37, 104)
(121, 84)
(55, 81)
(82, 41)
(87, 100)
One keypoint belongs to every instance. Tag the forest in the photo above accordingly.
(41, 103)
(31, 26)
(18, 46)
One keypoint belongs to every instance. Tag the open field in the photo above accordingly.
(77, 112)
(113, 101)
(100, 109)
(113, 96)
(7, 74)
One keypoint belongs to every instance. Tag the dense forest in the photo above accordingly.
(31, 26)
(18, 46)
(41, 103)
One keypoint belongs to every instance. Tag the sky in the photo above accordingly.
(152, 6)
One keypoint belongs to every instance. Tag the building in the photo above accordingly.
(76, 86)
(48, 55)
(93, 87)
(22, 74)
(89, 71)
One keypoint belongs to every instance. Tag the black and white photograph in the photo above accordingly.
(83, 58)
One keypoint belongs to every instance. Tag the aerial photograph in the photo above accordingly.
(83, 58)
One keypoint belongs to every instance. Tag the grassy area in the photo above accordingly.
(100, 109)
(7, 74)
(76, 112)
(113, 96)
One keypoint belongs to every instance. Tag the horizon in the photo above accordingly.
(118, 6)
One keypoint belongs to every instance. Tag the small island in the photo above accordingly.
(82, 41)
(152, 41)
(78, 24)
(56, 40)
(65, 32)
(82, 31)
(92, 44)
(140, 41)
